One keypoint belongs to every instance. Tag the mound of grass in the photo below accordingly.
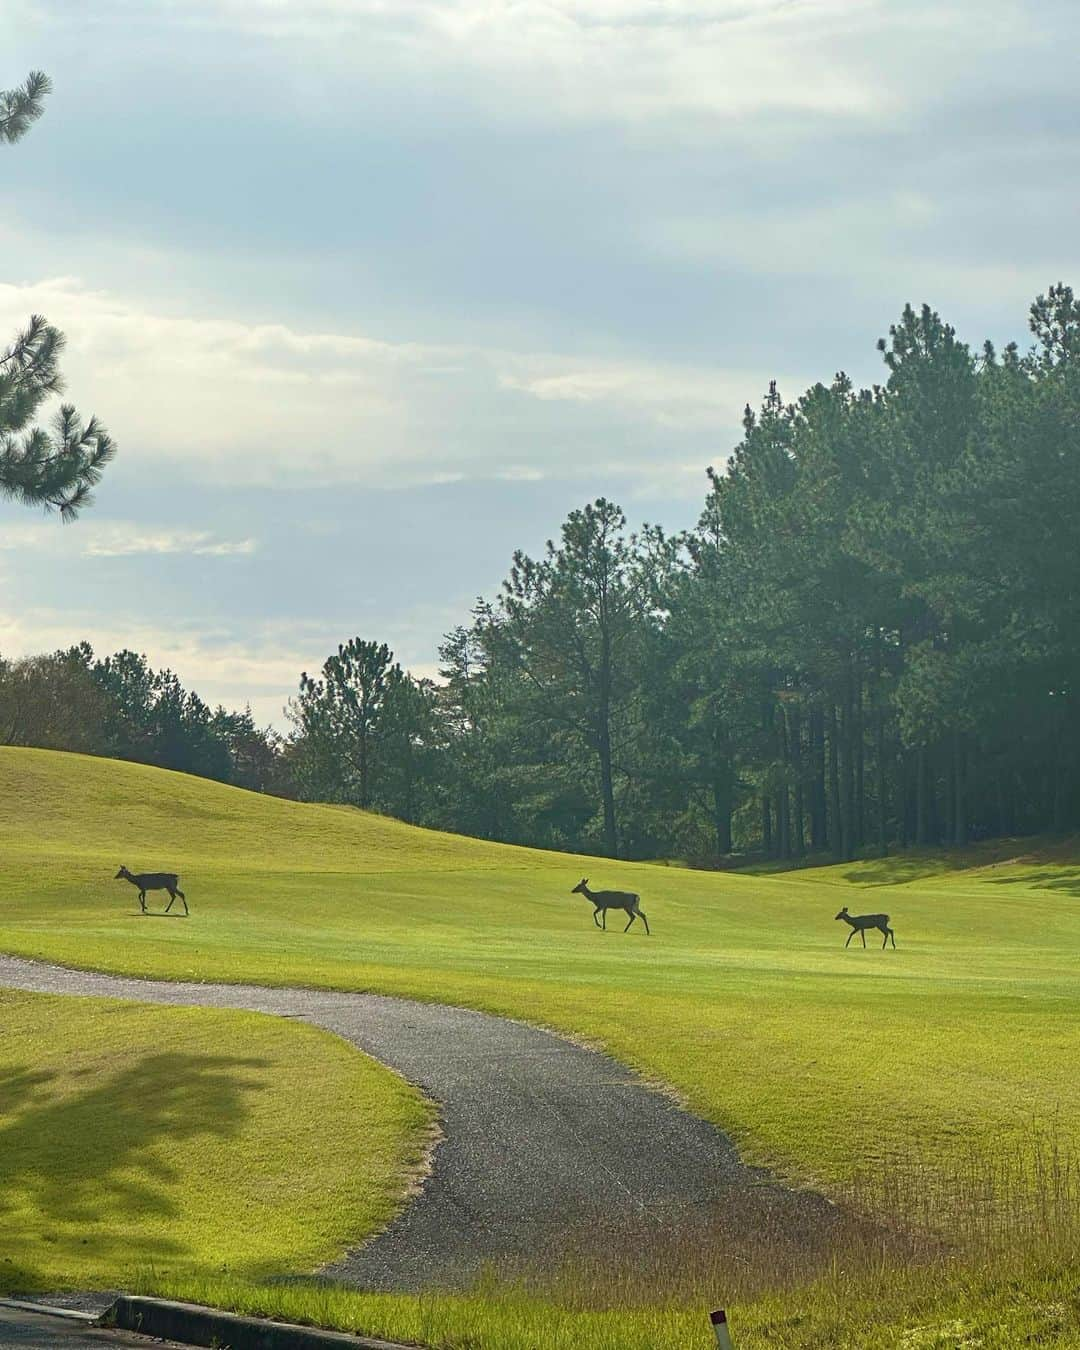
(188, 1140)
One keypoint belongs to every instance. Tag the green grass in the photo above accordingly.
(188, 1139)
(1024, 1302)
(827, 1064)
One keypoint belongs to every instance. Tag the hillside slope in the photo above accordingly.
(821, 1061)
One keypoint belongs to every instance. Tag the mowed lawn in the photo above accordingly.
(190, 1142)
(820, 1061)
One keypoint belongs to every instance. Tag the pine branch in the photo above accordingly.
(20, 108)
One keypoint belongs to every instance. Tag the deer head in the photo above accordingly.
(843, 913)
(122, 875)
(582, 887)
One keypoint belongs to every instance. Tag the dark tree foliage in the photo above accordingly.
(55, 468)
(364, 732)
(118, 706)
(871, 639)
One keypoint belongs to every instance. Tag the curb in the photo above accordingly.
(47, 1310)
(196, 1325)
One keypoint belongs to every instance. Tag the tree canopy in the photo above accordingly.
(55, 467)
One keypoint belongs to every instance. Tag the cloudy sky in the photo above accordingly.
(371, 292)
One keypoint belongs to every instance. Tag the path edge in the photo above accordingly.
(194, 1324)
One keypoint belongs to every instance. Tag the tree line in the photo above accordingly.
(119, 707)
(870, 639)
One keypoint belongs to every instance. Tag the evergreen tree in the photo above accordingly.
(55, 468)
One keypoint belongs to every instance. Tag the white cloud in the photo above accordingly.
(259, 667)
(97, 538)
(266, 403)
(628, 61)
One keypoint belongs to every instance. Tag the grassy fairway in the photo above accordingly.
(188, 1140)
(821, 1061)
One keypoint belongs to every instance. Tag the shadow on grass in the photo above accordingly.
(1065, 880)
(78, 1171)
(1056, 855)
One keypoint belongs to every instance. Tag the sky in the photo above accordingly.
(371, 293)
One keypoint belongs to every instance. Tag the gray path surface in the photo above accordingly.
(547, 1147)
(37, 1331)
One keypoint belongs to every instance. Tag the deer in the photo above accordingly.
(861, 922)
(602, 901)
(154, 881)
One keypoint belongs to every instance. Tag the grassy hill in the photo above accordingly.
(849, 1069)
(822, 1061)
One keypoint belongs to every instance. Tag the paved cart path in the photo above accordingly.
(547, 1146)
(21, 1329)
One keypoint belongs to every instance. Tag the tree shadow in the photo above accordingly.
(79, 1168)
(921, 864)
(1066, 880)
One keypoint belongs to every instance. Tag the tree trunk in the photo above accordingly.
(960, 827)
(819, 828)
(950, 792)
(721, 791)
(847, 774)
(834, 784)
(882, 780)
(364, 766)
(859, 827)
(607, 789)
(607, 783)
(1058, 817)
(766, 825)
(903, 798)
(922, 792)
(798, 832)
(783, 797)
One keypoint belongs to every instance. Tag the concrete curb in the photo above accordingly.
(196, 1325)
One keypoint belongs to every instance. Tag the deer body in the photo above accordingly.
(861, 922)
(602, 901)
(154, 881)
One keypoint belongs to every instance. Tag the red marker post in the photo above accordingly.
(719, 1326)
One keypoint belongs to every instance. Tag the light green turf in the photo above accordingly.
(819, 1060)
(189, 1140)
(1023, 1302)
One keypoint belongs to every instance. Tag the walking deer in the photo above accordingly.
(154, 881)
(861, 922)
(602, 901)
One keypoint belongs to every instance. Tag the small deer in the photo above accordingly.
(861, 922)
(602, 901)
(154, 881)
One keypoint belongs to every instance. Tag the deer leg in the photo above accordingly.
(142, 901)
(633, 916)
(893, 936)
(605, 921)
(594, 916)
(644, 920)
(172, 897)
(863, 933)
(849, 937)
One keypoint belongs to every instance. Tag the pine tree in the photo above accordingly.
(55, 468)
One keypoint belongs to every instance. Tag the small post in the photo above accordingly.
(719, 1326)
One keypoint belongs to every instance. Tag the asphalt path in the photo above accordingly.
(21, 1329)
(548, 1148)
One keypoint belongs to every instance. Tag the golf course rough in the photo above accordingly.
(823, 1063)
